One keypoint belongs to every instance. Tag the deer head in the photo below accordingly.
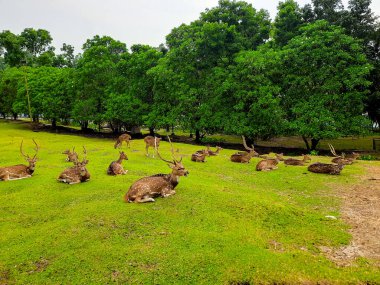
(123, 156)
(32, 161)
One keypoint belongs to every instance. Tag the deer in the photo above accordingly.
(340, 159)
(122, 138)
(326, 168)
(244, 157)
(151, 142)
(267, 164)
(159, 185)
(199, 157)
(20, 171)
(71, 155)
(214, 153)
(77, 173)
(298, 162)
(116, 167)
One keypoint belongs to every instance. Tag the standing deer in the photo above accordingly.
(267, 164)
(116, 167)
(122, 138)
(340, 159)
(199, 157)
(77, 173)
(20, 171)
(244, 157)
(150, 142)
(298, 162)
(159, 185)
(326, 168)
(71, 155)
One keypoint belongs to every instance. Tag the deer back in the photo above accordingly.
(267, 164)
(326, 168)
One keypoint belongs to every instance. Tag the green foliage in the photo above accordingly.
(314, 152)
(368, 157)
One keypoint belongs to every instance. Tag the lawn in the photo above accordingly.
(227, 224)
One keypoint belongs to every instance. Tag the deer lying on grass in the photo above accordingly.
(267, 164)
(298, 162)
(342, 159)
(199, 157)
(159, 185)
(77, 173)
(244, 157)
(115, 167)
(71, 155)
(326, 168)
(151, 142)
(122, 138)
(213, 153)
(20, 171)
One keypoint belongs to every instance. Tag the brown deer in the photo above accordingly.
(77, 173)
(244, 157)
(150, 142)
(267, 164)
(199, 157)
(71, 155)
(116, 167)
(298, 162)
(326, 168)
(213, 153)
(340, 159)
(20, 171)
(122, 138)
(159, 185)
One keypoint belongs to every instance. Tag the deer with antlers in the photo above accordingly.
(244, 157)
(151, 142)
(116, 167)
(159, 185)
(20, 171)
(71, 155)
(298, 162)
(340, 159)
(77, 173)
(122, 138)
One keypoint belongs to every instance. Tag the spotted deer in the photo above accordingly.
(77, 173)
(116, 167)
(199, 157)
(159, 185)
(71, 155)
(122, 138)
(20, 171)
(340, 159)
(298, 162)
(326, 168)
(244, 157)
(213, 153)
(150, 142)
(267, 164)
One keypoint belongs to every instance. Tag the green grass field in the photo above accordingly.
(227, 224)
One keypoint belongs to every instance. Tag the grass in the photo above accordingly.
(227, 224)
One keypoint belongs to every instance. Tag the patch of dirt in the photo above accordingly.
(361, 210)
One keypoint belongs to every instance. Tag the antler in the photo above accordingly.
(36, 149)
(155, 146)
(171, 145)
(245, 144)
(332, 149)
(22, 153)
(85, 154)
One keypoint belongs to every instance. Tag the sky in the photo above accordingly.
(129, 21)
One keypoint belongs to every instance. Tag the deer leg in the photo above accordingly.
(144, 199)
(125, 172)
(167, 192)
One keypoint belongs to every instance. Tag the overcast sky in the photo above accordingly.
(129, 21)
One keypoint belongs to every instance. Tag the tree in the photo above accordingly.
(11, 46)
(287, 22)
(9, 82)
(329, 10)
(324, 83)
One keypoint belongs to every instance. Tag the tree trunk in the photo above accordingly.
(54, 123)
(306, 143)
(314, 143)
(151, 131)
(197, 136)
(36, 119)
(167, 128)
(84, 125)
(14, 116)
(172, 130)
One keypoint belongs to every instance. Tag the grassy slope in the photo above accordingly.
(227, 223)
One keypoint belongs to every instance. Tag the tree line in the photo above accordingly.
(314, 71)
